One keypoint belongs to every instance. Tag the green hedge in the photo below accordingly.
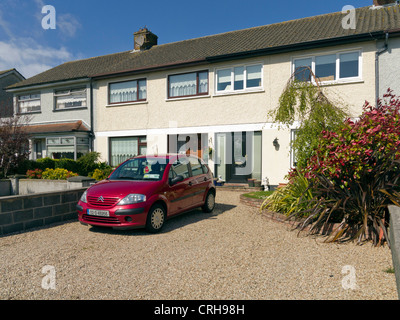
(84, 166)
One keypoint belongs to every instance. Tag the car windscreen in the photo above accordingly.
(140, 169)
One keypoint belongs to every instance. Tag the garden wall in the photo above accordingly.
(17, 186)
(21, 213)
(29, 186)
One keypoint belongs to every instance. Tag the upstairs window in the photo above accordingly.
(29, 103)
(188, 84)
(330, 68)
(70, 98)
(128, 91)
(239, 78)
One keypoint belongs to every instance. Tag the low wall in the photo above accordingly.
(21, 213)
(18, 186)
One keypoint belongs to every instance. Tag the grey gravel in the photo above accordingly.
(232, 253)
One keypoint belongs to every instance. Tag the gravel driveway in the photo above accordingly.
(233, 253)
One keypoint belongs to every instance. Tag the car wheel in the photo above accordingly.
(209, 204)
(155, 219)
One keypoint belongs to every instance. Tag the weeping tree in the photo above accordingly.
(304, 101)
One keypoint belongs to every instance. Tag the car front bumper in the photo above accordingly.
(119, 217)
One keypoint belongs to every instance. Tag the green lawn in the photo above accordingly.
(258, 194)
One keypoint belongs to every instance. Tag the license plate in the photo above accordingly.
(99, 213)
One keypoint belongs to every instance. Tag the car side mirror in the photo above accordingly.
(175, 180)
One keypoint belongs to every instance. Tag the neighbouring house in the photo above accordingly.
(8, 78)
(60, 112)
(210, 95)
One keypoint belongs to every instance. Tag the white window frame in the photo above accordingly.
(245, 89)
(73, 144)
(68, 92)
(19, 100)
(337, 53)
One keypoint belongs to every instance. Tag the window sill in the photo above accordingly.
(70, 109)
(188, 98)
(123, 104)
(339, 82)
(228, 93)
(27, 113)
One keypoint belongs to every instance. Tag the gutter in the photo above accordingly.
(39, 86)
(377, 54)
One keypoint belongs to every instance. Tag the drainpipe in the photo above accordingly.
(377, 54)
(91, 133)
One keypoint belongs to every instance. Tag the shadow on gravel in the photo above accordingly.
(172, 223)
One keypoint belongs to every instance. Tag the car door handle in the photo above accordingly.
(190, 183)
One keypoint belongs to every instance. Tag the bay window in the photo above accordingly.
(127, 91)
(239, 78)
(188, 84)
(67, 147)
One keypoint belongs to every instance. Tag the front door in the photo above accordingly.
(234, 156)
(241, 161)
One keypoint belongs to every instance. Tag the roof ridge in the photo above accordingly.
(262, 26)
(101, 56)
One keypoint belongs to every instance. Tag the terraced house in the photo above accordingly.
(209, 96)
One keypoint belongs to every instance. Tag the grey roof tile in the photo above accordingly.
(289, 33)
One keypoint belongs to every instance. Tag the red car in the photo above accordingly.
(146, 190)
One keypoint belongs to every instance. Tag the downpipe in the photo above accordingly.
(377, 54)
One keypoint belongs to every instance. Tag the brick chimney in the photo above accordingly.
(144, 39)
(383, 2)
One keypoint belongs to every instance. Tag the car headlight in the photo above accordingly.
(83, 197)
(132, 198)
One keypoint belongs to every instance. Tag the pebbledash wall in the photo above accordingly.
(21, 213)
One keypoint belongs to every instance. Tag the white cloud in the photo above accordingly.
(27, 54)
(67, 24)
(29, 57)
(4, 26)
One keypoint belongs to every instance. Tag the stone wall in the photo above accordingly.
(21, 213)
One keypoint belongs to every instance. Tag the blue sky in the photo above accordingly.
(91, 28)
